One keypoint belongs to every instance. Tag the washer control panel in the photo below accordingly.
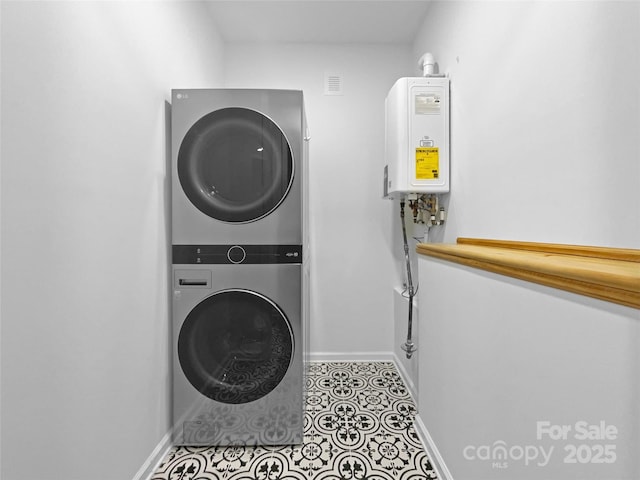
(236, 254)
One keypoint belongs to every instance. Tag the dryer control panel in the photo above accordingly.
(236, 254)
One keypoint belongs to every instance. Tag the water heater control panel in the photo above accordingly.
(417, 137)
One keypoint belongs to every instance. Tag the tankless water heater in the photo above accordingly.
(417, 137)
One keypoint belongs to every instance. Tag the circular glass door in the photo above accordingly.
(235, 346)
(235, 165)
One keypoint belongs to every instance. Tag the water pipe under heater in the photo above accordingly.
(409, 347)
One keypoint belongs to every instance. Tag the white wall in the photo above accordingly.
(545, 119)
(502, 354)
(85, 348)
(352, 237)
(545, 123)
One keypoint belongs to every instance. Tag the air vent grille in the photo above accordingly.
(333, 84)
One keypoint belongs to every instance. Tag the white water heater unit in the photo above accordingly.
(417, 137)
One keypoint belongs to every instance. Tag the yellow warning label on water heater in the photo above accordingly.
(427, 163)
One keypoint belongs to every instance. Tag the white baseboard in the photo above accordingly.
(151, 464)
(351, 357)
(436, 459)
(406, 378)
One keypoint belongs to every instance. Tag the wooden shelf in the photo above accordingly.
(611, 274)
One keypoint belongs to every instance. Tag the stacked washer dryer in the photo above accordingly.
(239, 235)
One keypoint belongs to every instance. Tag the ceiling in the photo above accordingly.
(318, 21)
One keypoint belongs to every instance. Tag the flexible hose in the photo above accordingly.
(409, 347)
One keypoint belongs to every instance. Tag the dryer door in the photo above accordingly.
(235, 346)
(235, 165)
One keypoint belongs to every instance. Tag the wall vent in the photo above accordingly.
(333, 84)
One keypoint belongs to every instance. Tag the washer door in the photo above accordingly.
(235, 346)
(235, 165)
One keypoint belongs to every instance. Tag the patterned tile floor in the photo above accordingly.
(358, 425)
